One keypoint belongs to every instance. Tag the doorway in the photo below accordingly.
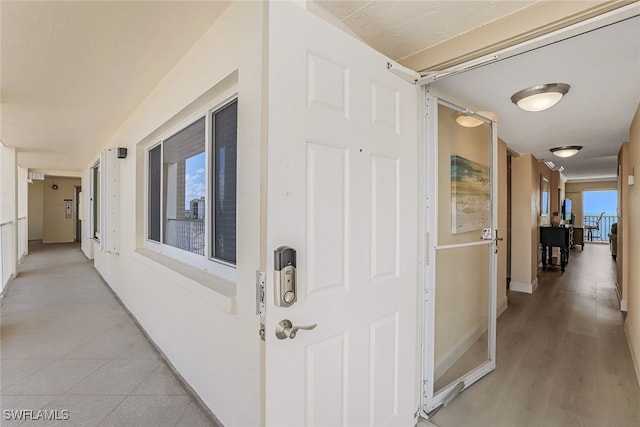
(76, 193)
(461, 271)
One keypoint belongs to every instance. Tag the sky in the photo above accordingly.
(596, 202)
(194, 178)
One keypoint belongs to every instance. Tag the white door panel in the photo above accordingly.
(342, 191)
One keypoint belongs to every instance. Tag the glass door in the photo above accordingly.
(460, 249)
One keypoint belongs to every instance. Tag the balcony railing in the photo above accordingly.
(187, 234)
(602, 233)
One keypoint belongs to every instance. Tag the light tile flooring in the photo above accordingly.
(67, 345)
(562, 356)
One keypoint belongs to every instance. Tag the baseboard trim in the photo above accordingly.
(502, 306)
(623, 305)
(452, 356)
(527, 288)
(636, 365)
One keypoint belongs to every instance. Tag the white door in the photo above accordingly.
(342, 191)
(460, 309)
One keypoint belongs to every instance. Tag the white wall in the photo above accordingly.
(23, 211)
(8, 211)
(36, 198)
(86, 242)
(211, 338)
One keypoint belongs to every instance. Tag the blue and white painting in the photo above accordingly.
(470, 195)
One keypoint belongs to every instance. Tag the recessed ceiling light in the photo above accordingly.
(540, 97)
(566, 151)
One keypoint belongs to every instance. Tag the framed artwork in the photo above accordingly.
(544, 195)
(470, 195)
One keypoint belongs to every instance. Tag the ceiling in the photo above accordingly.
(72, 72)
(602, 67)
(400, 29)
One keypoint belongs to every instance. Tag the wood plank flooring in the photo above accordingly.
(562, 356)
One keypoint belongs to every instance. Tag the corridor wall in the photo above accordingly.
(632, 237)
(8, 212)
(209, 336)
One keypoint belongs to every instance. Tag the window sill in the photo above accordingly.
(224, 291)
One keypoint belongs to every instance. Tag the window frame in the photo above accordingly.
(206, 262)
(96, 205)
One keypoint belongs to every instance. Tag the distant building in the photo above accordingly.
(197, 208)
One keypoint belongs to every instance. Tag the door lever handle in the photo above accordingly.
(285, 329)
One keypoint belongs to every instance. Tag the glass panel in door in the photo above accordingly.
(463, 280)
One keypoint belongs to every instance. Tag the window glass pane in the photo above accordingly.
(155, 166)
(225, 147)
(184, 188)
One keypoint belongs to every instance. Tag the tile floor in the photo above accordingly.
(67, 345)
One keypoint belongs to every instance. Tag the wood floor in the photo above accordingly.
(562, 356)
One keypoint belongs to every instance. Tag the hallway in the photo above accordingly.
(68, 345)
(562, 356)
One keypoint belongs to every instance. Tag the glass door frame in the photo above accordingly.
(431, 99)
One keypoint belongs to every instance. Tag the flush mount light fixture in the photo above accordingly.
(468, 121)
(566, 151)
(465, 119)
(540, 97)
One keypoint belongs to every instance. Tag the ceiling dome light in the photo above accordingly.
(566, 151)
(540, 97)
(466, 120)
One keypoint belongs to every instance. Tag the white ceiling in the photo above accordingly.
(73, 71)
(400, 29)
(603, 69)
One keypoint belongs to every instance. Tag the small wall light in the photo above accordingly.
(540, 97)
(122, 153)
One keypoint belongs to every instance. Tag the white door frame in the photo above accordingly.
(428, 220)
(431, 96)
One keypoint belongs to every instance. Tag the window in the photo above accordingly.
(95, 198)
(183, 168)
(225, 143)
(191, 188)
